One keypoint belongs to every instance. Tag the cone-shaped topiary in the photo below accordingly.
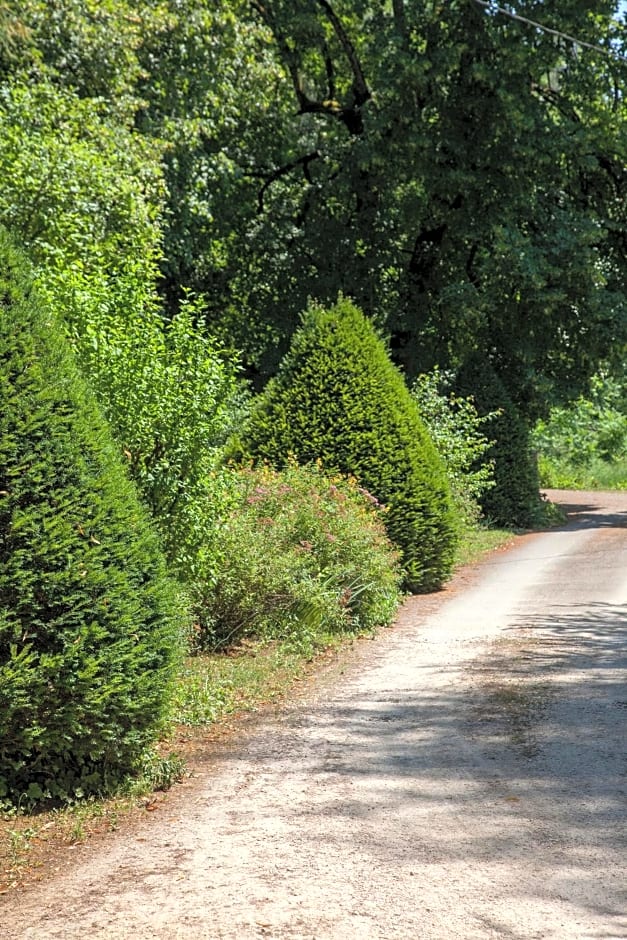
(514, 499)
(338, 399)
(90, 625)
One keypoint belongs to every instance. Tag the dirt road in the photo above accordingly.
(465, 777)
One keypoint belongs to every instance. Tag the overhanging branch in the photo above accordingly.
(271, 176)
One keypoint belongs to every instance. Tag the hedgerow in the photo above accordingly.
(338, 399)
(514, 499)
(90, 625)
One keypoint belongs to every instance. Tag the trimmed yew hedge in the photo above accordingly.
(90, 625)
(514, 499)
(338, 399)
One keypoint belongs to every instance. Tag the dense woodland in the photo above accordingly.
(292, 292)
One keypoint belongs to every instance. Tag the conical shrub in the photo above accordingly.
(90, 625)
(514, 498)
(338, 399)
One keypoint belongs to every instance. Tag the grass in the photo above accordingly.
(211, 688)
(479, 541)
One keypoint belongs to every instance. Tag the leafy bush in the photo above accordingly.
(83, 192)
(299, 555)
(575, 442)
(514, 500)
(90, 626)
(456, 429)
(337, 398)
(171, 396)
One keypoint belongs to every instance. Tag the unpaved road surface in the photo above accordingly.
(465, 777)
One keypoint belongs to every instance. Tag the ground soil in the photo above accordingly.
(463, 775)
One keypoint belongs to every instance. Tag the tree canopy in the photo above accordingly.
(462, 172)
(459, 173)
(454, 169)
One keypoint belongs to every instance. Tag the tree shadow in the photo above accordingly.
(589, 514)
(536, 731)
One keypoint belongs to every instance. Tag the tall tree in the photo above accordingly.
(457, 171)
(472, 178)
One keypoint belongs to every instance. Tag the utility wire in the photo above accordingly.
(547, 29)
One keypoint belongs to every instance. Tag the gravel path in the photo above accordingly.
(466, 777)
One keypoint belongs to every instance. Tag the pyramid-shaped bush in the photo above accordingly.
(514, 499)
(90, 625)
(338, 399)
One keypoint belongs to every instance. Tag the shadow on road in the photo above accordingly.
(588, 512)
(529, 752)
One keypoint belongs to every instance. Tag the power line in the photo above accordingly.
(547, 29)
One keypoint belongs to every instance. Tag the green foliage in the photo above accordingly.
(90, 626)
(81, 192)
(89, 46)
(514, 499)
(80, 189)
(593, 427)
(585, 444)
(212, 90)
(597, 475)
(459, 174)
(457, 430)
(171, 396)
(299, 555)
(338, 399)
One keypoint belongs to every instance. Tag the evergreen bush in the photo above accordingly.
(90, 625)
(459, 434)
(338, 399)
(514, 499)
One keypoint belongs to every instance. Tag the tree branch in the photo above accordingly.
(349, 115)
(290, 59)
(271, 176)
(360, 87)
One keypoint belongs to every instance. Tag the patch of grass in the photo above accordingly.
(476, 542)
(28, 840)
(212, 686)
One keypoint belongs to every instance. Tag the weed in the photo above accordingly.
(20, 842)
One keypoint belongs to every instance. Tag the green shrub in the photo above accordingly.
(90, 626)
(171, 396)
(587, 440)
(457, 430)
(514, 500)
(337, 398)
(299, 555)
